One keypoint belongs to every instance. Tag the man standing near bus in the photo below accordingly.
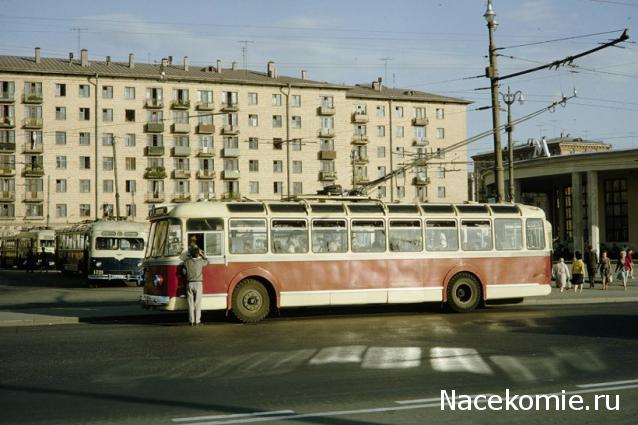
(193, 267)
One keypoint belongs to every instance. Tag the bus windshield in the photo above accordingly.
(167, 238)
(124, 244)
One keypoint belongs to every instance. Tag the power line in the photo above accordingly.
(558, 39)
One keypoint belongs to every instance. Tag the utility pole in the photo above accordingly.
(95, 142)
(492, 74)
(79, 31)
(286, 92)
(509, 98)
(117, 190)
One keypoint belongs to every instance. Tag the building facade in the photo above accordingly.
(74, 133)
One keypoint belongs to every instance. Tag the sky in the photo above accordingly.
(436, 46)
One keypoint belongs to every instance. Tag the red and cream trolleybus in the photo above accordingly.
(317, 252)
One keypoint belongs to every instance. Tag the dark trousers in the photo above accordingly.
(591, 273)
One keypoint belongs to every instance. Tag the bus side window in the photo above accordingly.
(213, 244)
(534, 233)
(441, 235)
(405, 236)
(508, 233)
(289, 236)
(329, 236)
(368, 235)
(248, 236)
(477, 235)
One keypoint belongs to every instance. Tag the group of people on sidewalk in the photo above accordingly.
(565, 279)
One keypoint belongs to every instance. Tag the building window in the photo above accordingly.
(253, 165)
(278, 188)
(398, 111)
(107, 186)
(400, 191)
(276, 100)
(107, 163)
(297, 188)
(107, 92)
(107, 210)
(107, 115)
(277, 166)
(380, 171)
(277, 121)
(60, 113)
(381, 111)
(130, 163)
(440, 172)
(85, 90)
(297, 167)
(295, 101)
(85, 210)
(253, 120)
(60, 90)
(381, 151)
(381, 192)
(85, 114)
(616, 210)
(85, 139)
(129, 115)
(253, 187)
(296, 122)
(277, 144)
(253, 143)
(440, 113)
(399, 131)
(296, 145)
(60, 185)
(85, 163)
(440, 133)
(399, 152)
(129, 139)
(252, 98)
(130, 186)
(440, 191)
(419, 112)
(85, 185)
(129, 93)
(131, 211)
(60, 137)
(381, 130)
(60, 162)
(60, 210)
(107, 139)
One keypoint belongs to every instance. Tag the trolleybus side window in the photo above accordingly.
(207, 233)
(368, 235)
(248, 236)
(441, 235)
(535, 233)
(476, 235)
(289, 236)
(329, 236)
(405, 236)
(508, 233)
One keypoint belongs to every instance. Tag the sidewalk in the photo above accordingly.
(50, 299)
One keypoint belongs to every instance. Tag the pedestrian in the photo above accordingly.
(30, 261)
(561, 274)
(44, 265)
(623, 268)
(193, 267)
(630, 262)
(605, 270)
(591, 261)
(578, 268)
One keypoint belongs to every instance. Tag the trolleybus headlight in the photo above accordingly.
(157, 280)
(98, 264)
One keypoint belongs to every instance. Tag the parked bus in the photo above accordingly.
(40, 242)
(318, 252)
(102, 250)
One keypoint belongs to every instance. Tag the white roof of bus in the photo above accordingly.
(108, 225)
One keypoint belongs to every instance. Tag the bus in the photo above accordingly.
(102, 250)
(40, 242)
(267, 255)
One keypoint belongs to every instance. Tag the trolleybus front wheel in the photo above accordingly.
(463, 293)
(250, 301)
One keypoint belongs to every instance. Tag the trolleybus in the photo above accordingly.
(40, 242)
(317, 252)
(103, 250)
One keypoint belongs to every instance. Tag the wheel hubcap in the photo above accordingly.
(252, 301)
(463, 293)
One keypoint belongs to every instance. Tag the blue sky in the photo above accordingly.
(430, 46)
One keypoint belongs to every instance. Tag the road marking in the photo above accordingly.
(602, 384)
(345, 354)
(392, 358)
(448, 359)
(234, 416)
(435, 399)
(513, 367)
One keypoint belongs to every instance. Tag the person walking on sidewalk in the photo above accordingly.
(630, 262)
(623, 268)
(605, 270)
(561, 274)
(591, 261)
(578, 269)
(193, 267)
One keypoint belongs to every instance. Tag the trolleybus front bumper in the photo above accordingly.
(154, 300)
(107, 276)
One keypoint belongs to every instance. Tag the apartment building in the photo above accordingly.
(176, 132)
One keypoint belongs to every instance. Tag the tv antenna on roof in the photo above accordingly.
(79, 31)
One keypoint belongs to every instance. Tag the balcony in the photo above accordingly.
(181, 104)
(360, 139)
(360, 118)
(420, 121)
(181, 174)
(33, 123)
(361, 180)
(7, 97)
(154, 127)
(230, 130)
(230, 174)
(327, 133)
(327, 175)
(154, 150)
(206, 174)
(7, 122)
(181, 127)
(327, 155)
(326, 110)
(205, 128)
(360, 160)
(230, 107)
(32, 98)
(420, 142)
(231, 196)
(34, 197)
(33, 171)
(181, 151)
(154, 197)
(36, 148)
(205, 106)
(420, 181)
(7, 196)
(230, 152)
(181, 197)
(206, 152)
(7, 170)
(155, 173)
(154, 103)
(7, 147)
(420, 162)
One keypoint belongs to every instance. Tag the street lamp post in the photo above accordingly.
(492, 73)
(509, 98)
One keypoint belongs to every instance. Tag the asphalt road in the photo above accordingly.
(349, 367)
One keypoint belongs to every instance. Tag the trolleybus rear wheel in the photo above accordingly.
(250, 301)
(463, 293)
